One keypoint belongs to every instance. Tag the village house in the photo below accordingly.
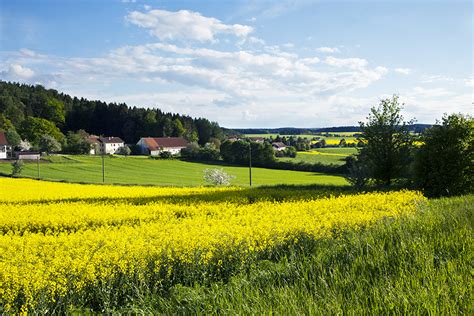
(5, 147)
(278, 146)
(94, 142)
(257, 139)
(110, 145)
(155, 145)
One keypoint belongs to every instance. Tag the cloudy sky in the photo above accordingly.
(247, 63)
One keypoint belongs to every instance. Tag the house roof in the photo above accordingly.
(155, 143)
(3, 139)
(93, 139)
(278, 145)
(111, 140)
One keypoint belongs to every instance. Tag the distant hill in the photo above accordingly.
(300, 131)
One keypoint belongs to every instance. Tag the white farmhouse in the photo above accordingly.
(278, 146)
(155, 145)
(5, 147)
(110, 145)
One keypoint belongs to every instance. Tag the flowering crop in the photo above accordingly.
(54, 248)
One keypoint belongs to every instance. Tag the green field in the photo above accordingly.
(324, 156)
(141, 170)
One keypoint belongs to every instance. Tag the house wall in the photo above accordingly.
(29, 157)
(143, 147)
(110, 148)
(172, 150)
(3, 152)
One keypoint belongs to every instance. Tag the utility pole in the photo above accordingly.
(103, 168)
(250, 163)
(38, 166)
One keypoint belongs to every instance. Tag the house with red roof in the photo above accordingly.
(5, 147)
(155, 145)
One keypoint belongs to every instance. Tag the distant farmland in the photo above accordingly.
(141, 170)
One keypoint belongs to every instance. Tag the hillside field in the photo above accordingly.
(142, 170)
(324, 156)
(75, 249)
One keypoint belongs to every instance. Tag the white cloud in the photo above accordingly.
(436, 78)
(403, 71)
(431, 93)
(17, 72)
(469, 82)
(328, 50)
(353, 63)
(185, 25)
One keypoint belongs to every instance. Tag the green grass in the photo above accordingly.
(331, 139)
(418, 264)
(328, 156)
(140, 170)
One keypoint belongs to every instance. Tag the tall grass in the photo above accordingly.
(417, 264)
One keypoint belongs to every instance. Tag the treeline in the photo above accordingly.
(417, 128)
(34, 111)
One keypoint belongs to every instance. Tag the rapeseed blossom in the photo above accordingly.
(57, 239)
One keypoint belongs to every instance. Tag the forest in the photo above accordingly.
(33, 111)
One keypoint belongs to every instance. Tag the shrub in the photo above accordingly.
(166, 155)
(217, 177)
(125, 151)
(17, 167)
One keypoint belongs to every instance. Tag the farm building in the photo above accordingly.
(110, 145)
(155, 145)
(28, 155)
(5, 147)
(278, 146)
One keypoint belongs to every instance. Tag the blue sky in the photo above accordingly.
(247, 63)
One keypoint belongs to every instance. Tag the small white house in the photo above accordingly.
(5, 147)
(110, 145)
(278, 146)
(155, 145)
(28, 155)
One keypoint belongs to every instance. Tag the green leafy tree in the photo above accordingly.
(388, 142)
(33, 128)
(124, 151)
(178, 128)
(13, 137)
(76, 143)
(49, 144)
(444, 164)
(5, 124)
(17, 167)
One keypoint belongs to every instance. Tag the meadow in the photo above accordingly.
(144, 171)
(326, 156)
(69, 248)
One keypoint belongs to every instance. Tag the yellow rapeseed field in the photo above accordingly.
(59, 240)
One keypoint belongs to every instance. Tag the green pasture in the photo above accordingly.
(142, 170)
(324, 156)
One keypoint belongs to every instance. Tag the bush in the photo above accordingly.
(217, 177)
(357, 172)
(166, 155)
(17, 167)
(444, 164)
(125, 151)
